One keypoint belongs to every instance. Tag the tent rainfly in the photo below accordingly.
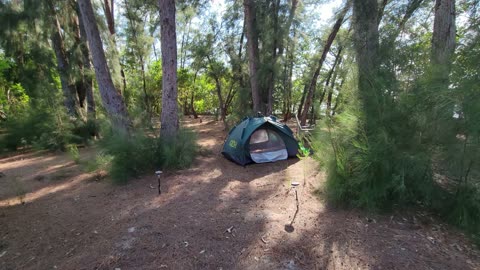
(259, 140)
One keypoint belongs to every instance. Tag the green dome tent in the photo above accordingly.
(259, 140)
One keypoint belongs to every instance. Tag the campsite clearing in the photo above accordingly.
(215, 215)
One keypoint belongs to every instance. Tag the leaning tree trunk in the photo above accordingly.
(253, 53)
(326, 48)
(336, 66)
(168, 39)
(111, 98)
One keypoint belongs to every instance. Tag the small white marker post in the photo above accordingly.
(158, 173)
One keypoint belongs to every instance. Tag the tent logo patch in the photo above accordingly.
(233, 143)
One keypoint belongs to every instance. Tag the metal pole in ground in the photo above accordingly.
(158, 173)
(289, 227)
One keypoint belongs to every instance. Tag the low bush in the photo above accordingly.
(138, 154)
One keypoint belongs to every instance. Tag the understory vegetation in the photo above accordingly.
(130, 157)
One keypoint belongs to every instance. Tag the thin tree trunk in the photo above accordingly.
(221, 104)
(142, 62)
(381, 11)
(69, 90)
(79, 83)
(337, 100)
(278, 48)
(108, 7)
(302, 100)
(253, 53)
(271, 78)
(338, 61)
(412, 6)
(111, 98)
(311, 87)
(192, 97)
(168, 39)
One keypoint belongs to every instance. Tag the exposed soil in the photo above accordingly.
(216, 215)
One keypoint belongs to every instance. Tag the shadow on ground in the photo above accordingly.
(216, 215)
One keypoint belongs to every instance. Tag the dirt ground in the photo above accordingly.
(215, 215)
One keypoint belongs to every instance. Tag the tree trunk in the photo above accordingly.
(253, 53)
(109, 13)
(192, 107)
(336, 66)
(366, 43)
(108, 8)
(337, 100)
(69, 90)
(140, 58)
(277, 48)
(223, 111)
(443, 39)
(412, 6)
(87, 72)
(381, 11)
(311, 87)
(271, 78)
(192, 97)
(111, 98)
(168, 39)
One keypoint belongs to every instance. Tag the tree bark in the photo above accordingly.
(192, 97)
(366, 43)
(443, 39)
(336, 65)
(168, 39)
(253, 53)
(108, 7)
(109, 12)
(311, 87)
(111, 98)
(277, 48)
(288, 78)
(87, 72)
(68, 86)
(141, 60)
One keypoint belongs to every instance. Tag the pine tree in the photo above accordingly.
(111, 98)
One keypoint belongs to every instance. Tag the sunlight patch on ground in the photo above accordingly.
(32, 196)
(25, 162)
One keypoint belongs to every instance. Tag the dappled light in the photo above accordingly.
(214, 214)
(46, 191)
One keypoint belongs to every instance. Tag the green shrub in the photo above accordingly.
(138, 154)
(463, 209)
(73, 152)
(375, 171)
(45, 129)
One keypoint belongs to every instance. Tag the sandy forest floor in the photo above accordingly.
(215, 215)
